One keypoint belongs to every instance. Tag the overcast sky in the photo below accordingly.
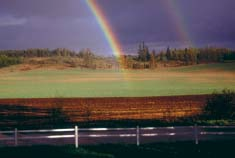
(70, 23)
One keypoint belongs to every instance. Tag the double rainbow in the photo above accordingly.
(170, 5)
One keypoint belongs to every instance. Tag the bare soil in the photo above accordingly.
(133, 108)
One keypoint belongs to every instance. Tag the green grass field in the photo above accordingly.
(199, 79)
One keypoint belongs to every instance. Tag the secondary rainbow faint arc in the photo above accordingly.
(176, 15)
(106, 28)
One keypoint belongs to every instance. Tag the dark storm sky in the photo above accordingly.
(70, 23)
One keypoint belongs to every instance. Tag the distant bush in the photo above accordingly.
(221, 105)
(229, 56)
(7, 61)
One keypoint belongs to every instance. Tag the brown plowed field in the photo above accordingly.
(94, 109)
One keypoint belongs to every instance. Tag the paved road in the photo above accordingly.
(128, 136)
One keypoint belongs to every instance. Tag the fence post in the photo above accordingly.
(137, 136)
(16, 137)
(76, 136)
(196, 134)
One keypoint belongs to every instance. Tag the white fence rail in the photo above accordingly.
(192, 132)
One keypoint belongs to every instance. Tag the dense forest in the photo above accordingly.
(177, 57)
(197, 56)
(144, 59)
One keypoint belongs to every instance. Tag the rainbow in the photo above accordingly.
(106, 28)
(174, 12)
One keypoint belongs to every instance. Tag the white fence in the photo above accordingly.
(187, 132)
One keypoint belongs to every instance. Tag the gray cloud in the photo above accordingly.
(44, 8)
(71, 24)
(11, 21)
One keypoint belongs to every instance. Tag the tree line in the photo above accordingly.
(144, 59)
(39, 52)
(187, 56)
(197, 55)
(10, 57)
(7, 61)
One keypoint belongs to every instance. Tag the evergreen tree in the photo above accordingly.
(152, 60)
(143, 53)
(168, 53)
